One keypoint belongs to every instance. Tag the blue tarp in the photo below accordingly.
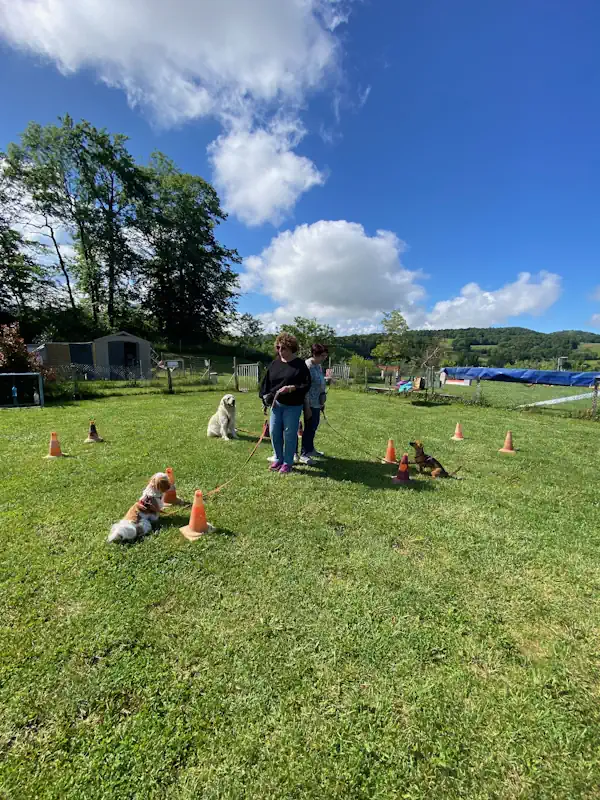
(544, 376)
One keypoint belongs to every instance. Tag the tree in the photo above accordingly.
(394, 347)
(249, 329)
(309, 332)
(187, 285)
(14, 356)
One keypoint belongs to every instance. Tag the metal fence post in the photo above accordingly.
(236, 380)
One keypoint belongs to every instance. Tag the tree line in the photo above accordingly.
(92, 241)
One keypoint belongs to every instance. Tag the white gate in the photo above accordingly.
(247, 377)
(339, 372)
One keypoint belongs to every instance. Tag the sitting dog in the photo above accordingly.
(141, 516)
(424, 462)
(223, 422)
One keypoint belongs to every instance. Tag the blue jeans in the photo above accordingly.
(284, 431)
(310, 429)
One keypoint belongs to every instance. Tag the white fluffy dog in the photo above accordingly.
(223, 422)
(141, 516)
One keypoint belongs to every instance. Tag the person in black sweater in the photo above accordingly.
(283, 388)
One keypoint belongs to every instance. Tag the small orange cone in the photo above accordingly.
(458, 434)
(54, 450)
(170, 496)
(403, 476)
(390, 454)
(508, 445)
(198, 525)
(93, 435)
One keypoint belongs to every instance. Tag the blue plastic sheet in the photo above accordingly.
(546, 377)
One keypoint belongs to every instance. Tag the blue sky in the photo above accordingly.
(465, 133)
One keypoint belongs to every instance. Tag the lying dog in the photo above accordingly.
(424, 462)
(223, 422)
(141, 516)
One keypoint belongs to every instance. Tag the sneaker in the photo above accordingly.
(275, 466)
(296, 459)
(315, 454)
(306, 460)
(285, 469)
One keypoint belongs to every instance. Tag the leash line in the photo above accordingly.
(378, 459)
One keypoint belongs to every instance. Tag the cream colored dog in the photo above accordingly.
(223, 422)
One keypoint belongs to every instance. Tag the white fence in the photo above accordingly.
(247, 377)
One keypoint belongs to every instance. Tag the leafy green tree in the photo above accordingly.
(309, 332)
(187, 284)
(394, 347)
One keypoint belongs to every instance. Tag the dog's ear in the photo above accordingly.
(160, 482)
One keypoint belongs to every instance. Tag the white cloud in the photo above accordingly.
(334, 271)
(475, 307)
(595, 320)
(231, 59)
(258, 173)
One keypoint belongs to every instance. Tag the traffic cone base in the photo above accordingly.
(390, 454)
(458, 434)
(198, 525)
(402, 478)
(193, 536)
(93, 436)
(508, 445)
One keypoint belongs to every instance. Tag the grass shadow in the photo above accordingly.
(376, 476)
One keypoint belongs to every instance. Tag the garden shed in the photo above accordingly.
(120, 353)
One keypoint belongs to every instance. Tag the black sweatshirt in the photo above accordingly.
(285, 373)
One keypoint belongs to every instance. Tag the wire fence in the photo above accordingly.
(566, 401)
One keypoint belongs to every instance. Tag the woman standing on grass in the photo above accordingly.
(284, 387)
(315, 401)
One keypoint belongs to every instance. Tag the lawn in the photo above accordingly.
(337, 638)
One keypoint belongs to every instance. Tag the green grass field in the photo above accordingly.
(337, 638)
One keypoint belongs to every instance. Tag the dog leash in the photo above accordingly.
(378, 459)
(242, 468)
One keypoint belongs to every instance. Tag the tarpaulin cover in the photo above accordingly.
(545, 376)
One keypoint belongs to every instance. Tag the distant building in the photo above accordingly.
(111, 357)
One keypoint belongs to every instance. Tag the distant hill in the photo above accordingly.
(496, 346)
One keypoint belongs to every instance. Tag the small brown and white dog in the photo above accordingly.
(223, 422)
(141, 516)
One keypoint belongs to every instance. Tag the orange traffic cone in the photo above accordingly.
(54, 450)
(170, 496)
(93, 435)
(508, 445)
(403, 476)
(458, 434)
(390, 454)
(198, 525)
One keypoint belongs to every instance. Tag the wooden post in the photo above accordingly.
(366, 378)
(169, 381)
(236, 379)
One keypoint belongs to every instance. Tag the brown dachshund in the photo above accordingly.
(425, 462)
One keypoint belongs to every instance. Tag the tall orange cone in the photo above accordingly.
(198, 525)
(458, 434)
(508, 445)
(93, 435)
(390, 453)
(54, 450)
(170, 496)
(403, 476)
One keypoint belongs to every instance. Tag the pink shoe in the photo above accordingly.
(285, 469)
(275, 466)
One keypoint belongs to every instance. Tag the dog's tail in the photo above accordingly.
(123, 531)
(453, 474)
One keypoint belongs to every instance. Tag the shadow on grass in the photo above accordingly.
(377, 476)
(181, 520)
